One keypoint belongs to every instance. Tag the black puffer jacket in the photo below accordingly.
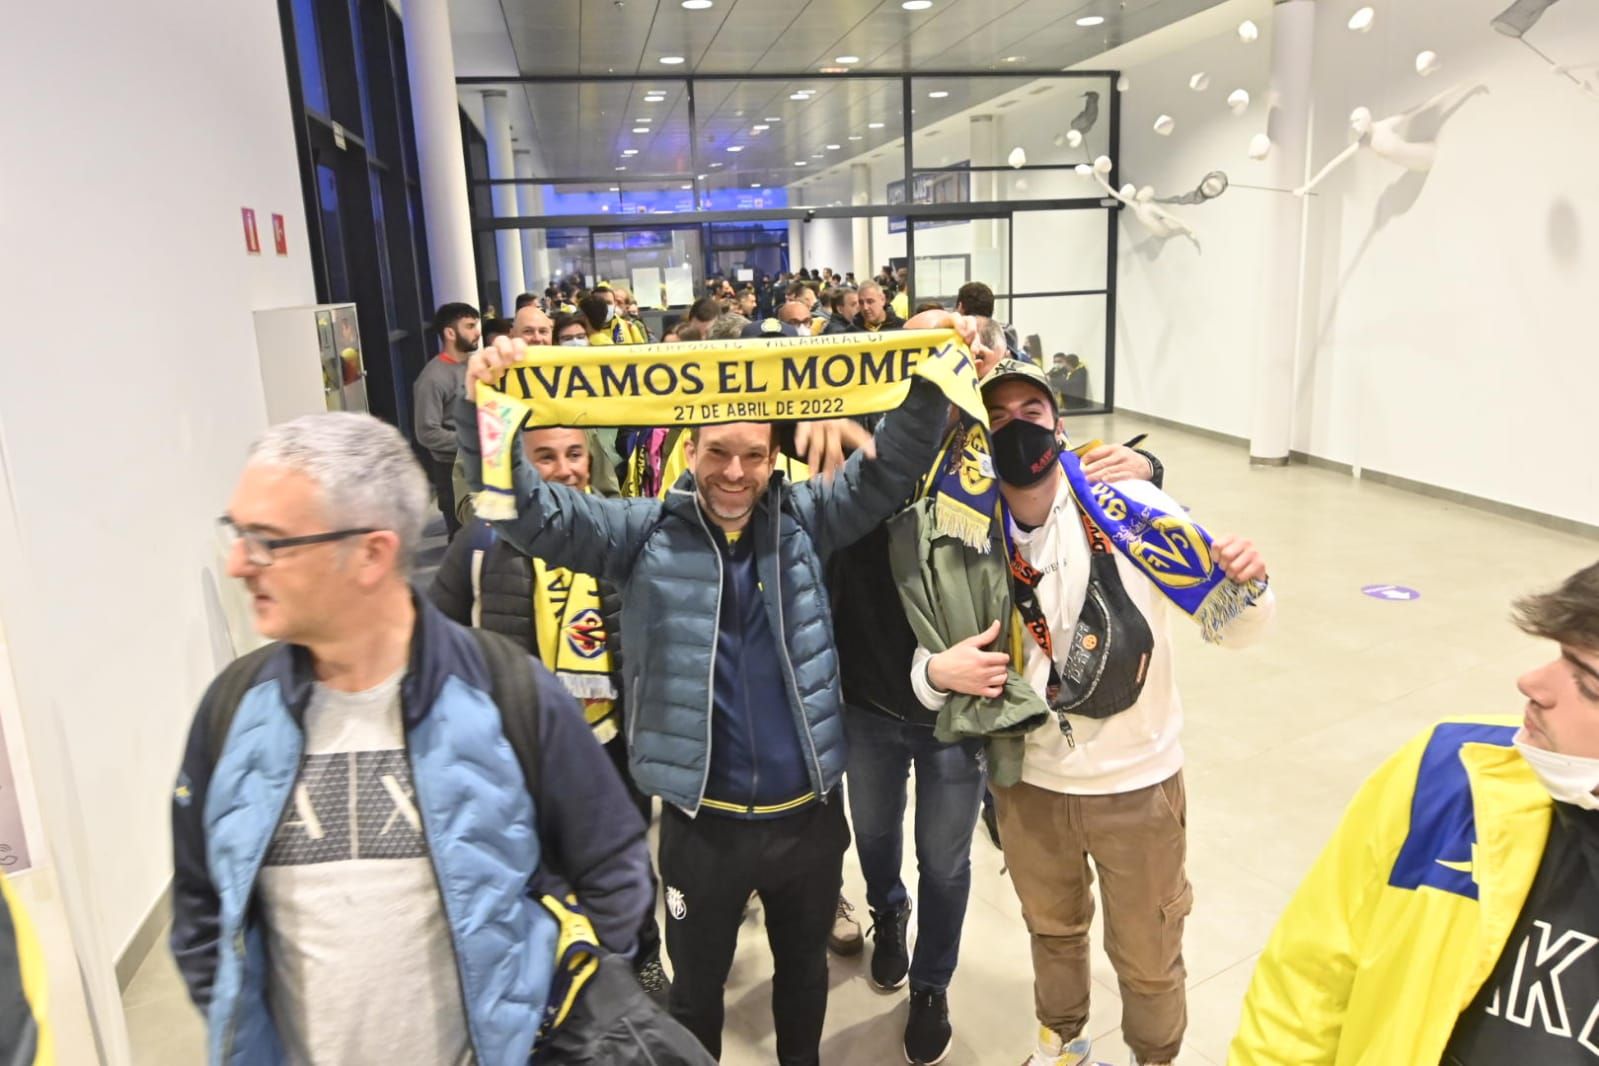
(485, 582)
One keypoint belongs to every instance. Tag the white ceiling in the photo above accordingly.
(584, 129)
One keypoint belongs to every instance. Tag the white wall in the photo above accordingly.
(129, 385)
(1449, 323)
(1454, 316)
(1187, 324)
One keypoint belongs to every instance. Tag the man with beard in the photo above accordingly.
(441, 381)
(1101, 778)
(729, 639)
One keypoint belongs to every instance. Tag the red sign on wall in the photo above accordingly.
(252, 239)
(280, 236)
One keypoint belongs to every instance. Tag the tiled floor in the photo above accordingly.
(1277, 737)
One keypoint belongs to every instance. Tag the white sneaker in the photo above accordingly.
(1053, 1051)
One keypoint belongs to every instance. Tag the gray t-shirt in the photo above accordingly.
(362, 969)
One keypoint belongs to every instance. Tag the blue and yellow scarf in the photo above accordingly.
(1170, 549)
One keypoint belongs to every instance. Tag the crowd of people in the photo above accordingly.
(411, 827)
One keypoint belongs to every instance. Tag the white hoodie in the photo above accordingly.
(1140, 746)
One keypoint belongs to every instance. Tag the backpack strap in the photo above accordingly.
(514, 693)
(227, 692)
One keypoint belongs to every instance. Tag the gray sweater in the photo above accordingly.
(440, 382)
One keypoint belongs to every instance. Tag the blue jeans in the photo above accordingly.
(949, 787)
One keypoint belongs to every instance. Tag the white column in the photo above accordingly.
(441, 160)
(497, 131)
(1272, 402)
(860, 189)
(530, 201)
(796, 245)
(987, 262)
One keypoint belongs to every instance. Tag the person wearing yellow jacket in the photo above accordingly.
(1453, 917)
(24, 1035)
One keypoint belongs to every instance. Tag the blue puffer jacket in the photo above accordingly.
(670, 566)
(495, 839)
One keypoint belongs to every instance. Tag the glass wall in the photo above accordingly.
(738, 177)
(357, 145)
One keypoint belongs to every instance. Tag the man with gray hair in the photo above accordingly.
(371, 809)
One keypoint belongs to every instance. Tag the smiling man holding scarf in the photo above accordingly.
(1094, 573)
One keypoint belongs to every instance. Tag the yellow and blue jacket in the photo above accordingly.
(24, 1036)
(1407, 910)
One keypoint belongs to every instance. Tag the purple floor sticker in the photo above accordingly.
(1391, 592)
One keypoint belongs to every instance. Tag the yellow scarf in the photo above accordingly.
(710, 382)
(571, 635)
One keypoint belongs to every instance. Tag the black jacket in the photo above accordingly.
(893, 321)
(485, 582)
(837, 323)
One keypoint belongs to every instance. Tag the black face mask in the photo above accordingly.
(1024, 453)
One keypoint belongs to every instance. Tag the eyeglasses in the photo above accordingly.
(258, 549)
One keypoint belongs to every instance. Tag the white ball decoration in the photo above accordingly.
(1238, 100)
(1199, 82)
(1259, 146)
(1361, 20)
(1074, 138)
(1248, 32)
(1427, 63)
(1123, 83)
(1017, 157)
(1103, 164)
(1164, 125)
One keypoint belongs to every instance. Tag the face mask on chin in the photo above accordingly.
(1024, 453)
(1569, 778)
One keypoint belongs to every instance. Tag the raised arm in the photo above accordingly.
(839, 511)
(1337, 161)
(576, 530)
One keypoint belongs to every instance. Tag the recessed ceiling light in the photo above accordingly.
(854, 136)
(1090, 20)
(735, 148)
(616, 188)
(816, 155)
(696, 5)
(874, 125)
(621, 168)
(1014, 59)
(917, 5)
(702, 177)
(801, 163)
(846, 59)
(773, 118)
(641, 129)
(834, 147)
(671, 61)
(937, 94)
(630, 151)
(755, 185)
(688, 185)
(798, 96)
(716, 164)
(835, 70)
(759, 127)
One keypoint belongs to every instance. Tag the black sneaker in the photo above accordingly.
(891, 952)
(927, 1033)
(652, 978)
